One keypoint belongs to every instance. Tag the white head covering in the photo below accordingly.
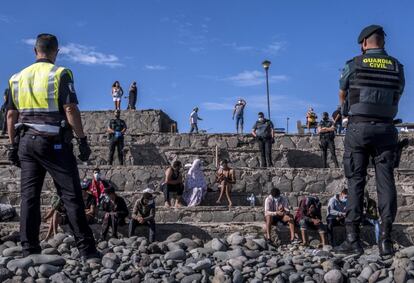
(195, 176)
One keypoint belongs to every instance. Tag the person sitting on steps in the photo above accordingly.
(309, 216)
(173, 184)
(277, 210)
(226, 178)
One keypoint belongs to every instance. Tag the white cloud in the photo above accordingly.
(155, 67)
(274, 47)
(6, 19)
(253, 78)
(271, 49)
(29, 41)
(83, 54)
(217, 106)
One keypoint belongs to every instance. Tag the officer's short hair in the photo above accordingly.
(344, 191)
(260, 114)
(97, 170)
(377, 37)
(46, 43)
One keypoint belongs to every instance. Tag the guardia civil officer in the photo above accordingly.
(371, 84)
(117, 128)
(326, 130)
(263, 131)
(42, 113)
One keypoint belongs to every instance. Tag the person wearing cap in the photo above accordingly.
(115, 212)
(116, 130)
(144, 214)
(326, 130)
(238, 112)
(194, 120)
(371, 86)
(263, 131)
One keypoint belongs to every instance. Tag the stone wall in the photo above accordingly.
(292, 182)
(140, 121)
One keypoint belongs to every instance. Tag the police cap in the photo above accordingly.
(368, 31)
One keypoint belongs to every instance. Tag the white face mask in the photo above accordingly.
(97, 176)
(261, 119)
(343, 199)
(151, 201)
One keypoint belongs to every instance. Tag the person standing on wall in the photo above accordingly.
(132, 97)
(238, 112)
(263, 131)
(117, 128)
(117, 93)
(42, 113)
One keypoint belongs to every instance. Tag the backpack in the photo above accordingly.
(262, 129)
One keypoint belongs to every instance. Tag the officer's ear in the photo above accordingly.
(35, 50)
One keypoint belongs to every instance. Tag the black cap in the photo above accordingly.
(368, 31)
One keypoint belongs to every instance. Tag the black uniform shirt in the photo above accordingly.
(67, 93)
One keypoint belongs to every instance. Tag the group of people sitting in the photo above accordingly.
(192, 189)
(103, 205)
(309, 216)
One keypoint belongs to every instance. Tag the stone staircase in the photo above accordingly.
(149, 148)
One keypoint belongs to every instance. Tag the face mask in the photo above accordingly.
(97, 176)
(343, 199)
(151, 201)
(261, 119)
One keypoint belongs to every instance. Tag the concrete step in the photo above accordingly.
(235, 214)
(292, 182)
(402, 233)
(160, 149)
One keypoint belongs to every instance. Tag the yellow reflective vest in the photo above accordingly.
(35, 92)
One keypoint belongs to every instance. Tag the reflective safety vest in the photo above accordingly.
(35, 92)
(376, 86)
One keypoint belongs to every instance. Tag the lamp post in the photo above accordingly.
(266, 65)
(287, 125)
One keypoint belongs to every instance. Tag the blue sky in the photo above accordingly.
(186, 53)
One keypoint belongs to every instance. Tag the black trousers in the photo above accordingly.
(362, 141)
(117, 143)
(265, 147)
(111, 220)
(132, 100)
(331, 223)
(39, 155)
(151, 225)
(168, 189)
(326, 144)
(194, 127)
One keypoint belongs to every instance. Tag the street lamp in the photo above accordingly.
(266, 65)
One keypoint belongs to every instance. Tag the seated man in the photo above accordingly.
(96, 186)
(57, 216)
(90, 205)
(226, 178)
(308, 216)
(336, 213)
(277, 210)
(371, 214)
(144, 214)
(173, 183)
(116, 211)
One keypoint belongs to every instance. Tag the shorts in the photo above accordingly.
(115, 98)
(278, 219)
(306, 224)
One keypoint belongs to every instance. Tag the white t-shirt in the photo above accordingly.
(273, 204)
(193, 117)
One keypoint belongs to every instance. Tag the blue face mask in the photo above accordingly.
(343, 199)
